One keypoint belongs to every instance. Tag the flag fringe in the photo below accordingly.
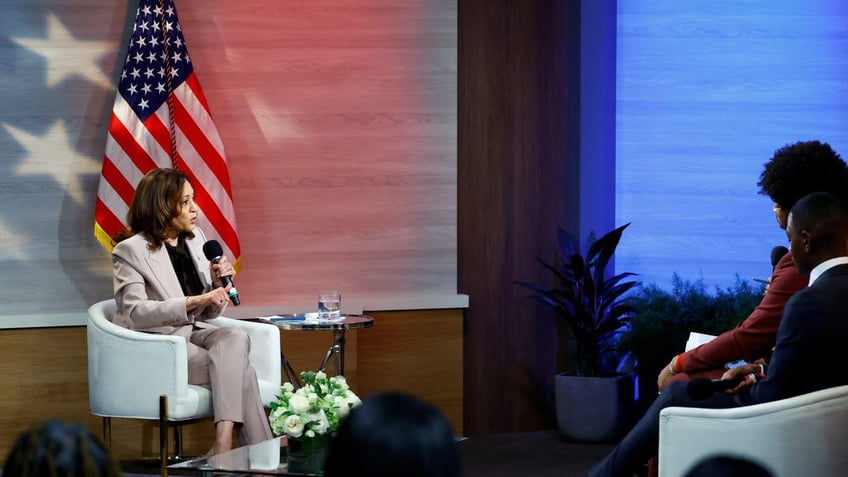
(104, 238)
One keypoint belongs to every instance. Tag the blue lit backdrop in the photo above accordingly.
(706, 91)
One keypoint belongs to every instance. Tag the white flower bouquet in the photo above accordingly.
(316, 409)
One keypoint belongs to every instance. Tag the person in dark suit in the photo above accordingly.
(793, 171)
(164, 284)
(814, 323)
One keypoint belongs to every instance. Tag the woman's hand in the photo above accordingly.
(217, 298)
(221, 269)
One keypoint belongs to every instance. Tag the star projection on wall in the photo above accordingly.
(58, 81)
(67, 55)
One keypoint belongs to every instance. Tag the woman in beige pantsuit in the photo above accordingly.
(164, 284)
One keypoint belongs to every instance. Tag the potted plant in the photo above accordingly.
(594, 399)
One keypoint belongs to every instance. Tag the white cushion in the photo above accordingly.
(128, 370)
(798, 436)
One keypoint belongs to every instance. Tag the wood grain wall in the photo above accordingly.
(419, 353)
(339, 122)
(514, 149)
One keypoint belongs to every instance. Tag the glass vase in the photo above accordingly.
(306, 456)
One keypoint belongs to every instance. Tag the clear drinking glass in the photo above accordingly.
(329, 305)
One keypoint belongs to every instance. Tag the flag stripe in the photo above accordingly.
(160, 133)
(106, 219)
(200, 157)
(140, 130)
(205, 150)
(131, 147)
(225, 230)
(194, 85)
(117, 180)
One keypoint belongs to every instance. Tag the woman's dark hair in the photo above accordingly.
(58, 449)
(156, 201)
(392, 434)
(799, 169)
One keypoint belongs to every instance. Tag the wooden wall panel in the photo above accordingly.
(47, 378)
(415, 352)
(514, 150)
(339, 122)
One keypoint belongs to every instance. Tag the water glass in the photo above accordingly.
(329, 305)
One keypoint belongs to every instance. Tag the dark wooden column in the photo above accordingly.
(517, 181)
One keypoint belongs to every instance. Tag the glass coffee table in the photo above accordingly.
(264, 458)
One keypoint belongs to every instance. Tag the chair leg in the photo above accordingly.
(178, 442)
(107, 432)
(163, 435)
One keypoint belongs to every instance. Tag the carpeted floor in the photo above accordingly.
(536, 454)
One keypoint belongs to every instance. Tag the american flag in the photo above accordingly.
(161, 119)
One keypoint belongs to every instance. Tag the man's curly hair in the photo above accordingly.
(802, 168)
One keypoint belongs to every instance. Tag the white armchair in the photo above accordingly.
(802, 435)
(129, 373)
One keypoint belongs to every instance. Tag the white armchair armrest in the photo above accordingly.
(264, 353)
(802, 435)
(128, 370)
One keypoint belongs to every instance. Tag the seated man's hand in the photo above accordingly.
(665, 375)
(741, 372)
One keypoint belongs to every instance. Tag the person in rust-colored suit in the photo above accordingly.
(812, 327)
(163, 284)
(793, 172)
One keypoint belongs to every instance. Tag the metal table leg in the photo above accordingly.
(340, 352)
(287, 368)
(336, 350)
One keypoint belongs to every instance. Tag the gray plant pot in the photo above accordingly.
(594, 409)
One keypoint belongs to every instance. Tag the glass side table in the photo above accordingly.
(299, 322)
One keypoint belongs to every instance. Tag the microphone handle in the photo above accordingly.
(226, 280)
(724, 384)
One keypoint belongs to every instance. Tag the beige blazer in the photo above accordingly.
(148, 292)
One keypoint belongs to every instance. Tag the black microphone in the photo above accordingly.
(213, 251)
(702, 388)
(776, 254)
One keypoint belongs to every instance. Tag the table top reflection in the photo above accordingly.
(305, 321)
(266, 458)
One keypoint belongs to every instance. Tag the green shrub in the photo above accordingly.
(662, 319)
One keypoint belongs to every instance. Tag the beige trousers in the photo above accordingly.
(218, 359)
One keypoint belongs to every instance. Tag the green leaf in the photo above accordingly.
(588, 303)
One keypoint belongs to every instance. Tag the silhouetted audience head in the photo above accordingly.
(391, 435)
(58, 449)
(727, 466)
